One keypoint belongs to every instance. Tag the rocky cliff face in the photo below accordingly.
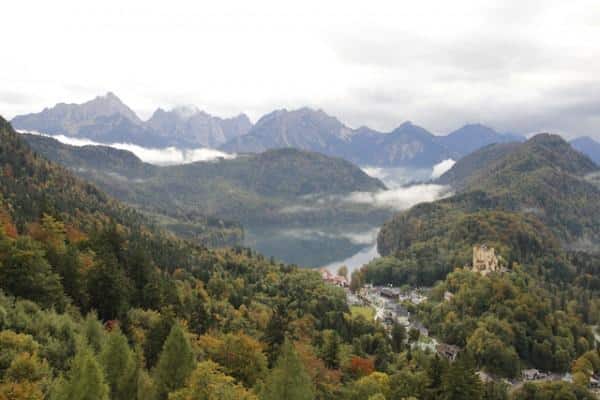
(190, 127)
(107, 119)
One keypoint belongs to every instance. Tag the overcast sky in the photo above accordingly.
(521, 66)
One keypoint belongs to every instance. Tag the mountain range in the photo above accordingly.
(106, 119)
(587, 146)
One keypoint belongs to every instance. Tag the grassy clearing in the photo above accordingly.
(365, 311)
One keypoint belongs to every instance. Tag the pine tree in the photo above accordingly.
(460, 382)
(398, 337)
(175, 364)
(275, 332)
(109, 289)
(331, 349)
(94, 332)
(26, 273)
(288, 379)
(84, 380)
(120, 366)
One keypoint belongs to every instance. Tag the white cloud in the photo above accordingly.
(398, 177)
(165, 156)
(400, 198)
(440, 168)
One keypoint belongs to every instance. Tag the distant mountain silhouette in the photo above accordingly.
(106, 119)
(587, 146)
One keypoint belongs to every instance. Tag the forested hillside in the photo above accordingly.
(96, 304)
(533, 205)
(274, 187)
(541, 180)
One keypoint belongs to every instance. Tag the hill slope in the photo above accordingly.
(271, 187)
(38, 187)
(537, 187)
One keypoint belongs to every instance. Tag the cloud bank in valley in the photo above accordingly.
(398, 177)
(440, 168)
(400, 198)
(164, 156)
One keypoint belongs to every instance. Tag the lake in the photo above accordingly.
(350, 244)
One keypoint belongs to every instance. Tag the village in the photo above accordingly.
(391, 305)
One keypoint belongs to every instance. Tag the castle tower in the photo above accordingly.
(484, 260)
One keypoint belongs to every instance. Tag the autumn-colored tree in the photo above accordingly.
(20, 391)
(371, 385)
(327, 381)
(27, 367)
(241, 357)
(208, 382)
(360, 366)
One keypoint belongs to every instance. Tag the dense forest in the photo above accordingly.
(529, 201)
(97, 303)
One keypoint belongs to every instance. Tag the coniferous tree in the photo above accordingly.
(24, 272)
(94, 332)
(119, 365)
(288, 379)
(275, 332)
(175, 364)
(84, 380)
(108, 289)
(157, 335)
(331, 349)
(460, 382)
(398, 337)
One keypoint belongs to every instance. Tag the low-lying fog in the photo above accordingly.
(164, 156)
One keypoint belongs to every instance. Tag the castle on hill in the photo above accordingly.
(485, 260)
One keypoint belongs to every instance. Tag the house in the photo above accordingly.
(448, 351)
(448, 295)
(333, 279)
(532, 374)
(390, 293)
(594, 383)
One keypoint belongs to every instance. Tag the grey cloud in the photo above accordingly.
(11, 97)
